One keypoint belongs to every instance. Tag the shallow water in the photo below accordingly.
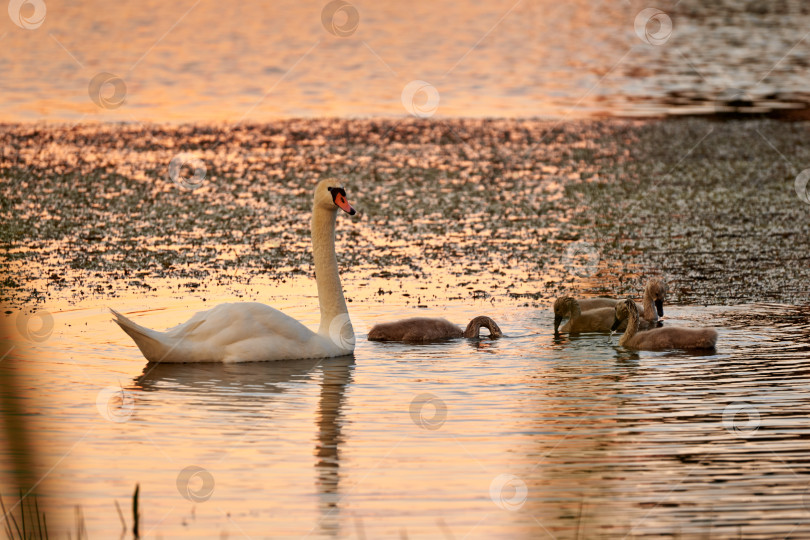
(254, 60)
(600, 441)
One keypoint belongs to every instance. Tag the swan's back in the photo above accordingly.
(595, 320)
(671, 337)
(234, 332)
(587, 304)
(415, 330)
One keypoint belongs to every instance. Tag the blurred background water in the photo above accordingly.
(258, 60)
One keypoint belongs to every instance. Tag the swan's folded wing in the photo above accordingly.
(238, 332)
(233, 322)
(260, 333)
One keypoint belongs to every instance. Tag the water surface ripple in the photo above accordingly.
(608, 443)
(527, 436)
(253, 60)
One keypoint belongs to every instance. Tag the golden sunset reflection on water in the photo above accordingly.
(159, 159)
(257, 61)
(333, 448)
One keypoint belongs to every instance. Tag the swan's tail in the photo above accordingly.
(147, 340)
(475, 326)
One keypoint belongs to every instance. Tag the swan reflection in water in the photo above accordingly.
(337, 376)
(254, 383)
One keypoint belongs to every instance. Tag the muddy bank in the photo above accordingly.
(503, 210)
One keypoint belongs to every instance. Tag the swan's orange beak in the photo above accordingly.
(343, 203)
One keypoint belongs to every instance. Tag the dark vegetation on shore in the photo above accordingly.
(483, 208)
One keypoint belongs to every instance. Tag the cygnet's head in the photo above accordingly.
(564, 306)
(657, 289)
(624, 309)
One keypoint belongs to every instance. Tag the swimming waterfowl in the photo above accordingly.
(659, 339)
(250, 331)
(424, 329)
(651, 307)
(593, 320)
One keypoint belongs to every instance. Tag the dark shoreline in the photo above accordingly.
(729, 112)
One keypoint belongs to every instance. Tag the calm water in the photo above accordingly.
(523, 437)
(255, 60)
(534, 436)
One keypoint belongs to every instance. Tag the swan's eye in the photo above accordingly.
(340, 200)
(337, 193)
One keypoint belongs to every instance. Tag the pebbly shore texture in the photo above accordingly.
(502, 210)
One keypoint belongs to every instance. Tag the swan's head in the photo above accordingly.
(330, 195)
(657, 290)
(624, 310)
(564, 306)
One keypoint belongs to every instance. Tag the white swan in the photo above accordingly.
(250, 331)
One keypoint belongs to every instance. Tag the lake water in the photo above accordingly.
(252, 61)
(528, 436)
(523, 437)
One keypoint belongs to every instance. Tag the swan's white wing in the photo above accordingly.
(244, 332)
(231, 322)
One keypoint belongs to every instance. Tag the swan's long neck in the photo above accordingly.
(575, 311)
(330, 293)
(650, 313)
(632, 325)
